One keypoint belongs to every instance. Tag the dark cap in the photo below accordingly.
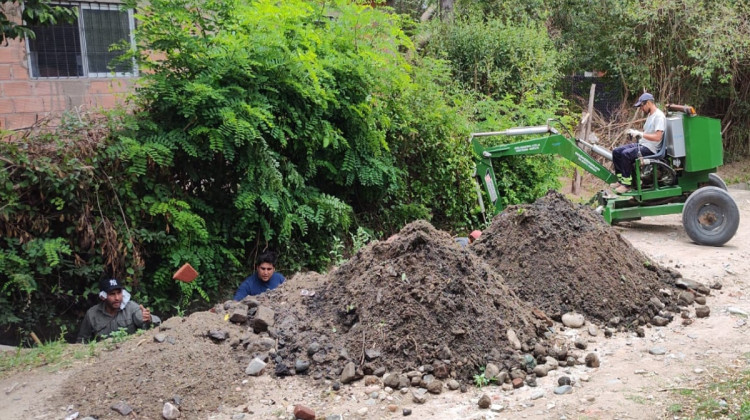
(106, 285)
(643, 99)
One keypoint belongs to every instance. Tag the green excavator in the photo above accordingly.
(680, 178)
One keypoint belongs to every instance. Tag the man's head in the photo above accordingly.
(644, 102)
(111, 293)
(266, 266)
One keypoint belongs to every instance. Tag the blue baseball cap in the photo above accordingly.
(642, 100)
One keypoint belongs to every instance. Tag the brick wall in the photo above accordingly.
(24, 100)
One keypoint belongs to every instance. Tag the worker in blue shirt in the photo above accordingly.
(264, 278)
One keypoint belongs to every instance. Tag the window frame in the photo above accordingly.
(81, 26)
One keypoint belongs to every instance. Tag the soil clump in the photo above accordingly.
(561, 257)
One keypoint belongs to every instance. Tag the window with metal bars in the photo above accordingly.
(86, 47)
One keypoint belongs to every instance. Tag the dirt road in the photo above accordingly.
(636, 379)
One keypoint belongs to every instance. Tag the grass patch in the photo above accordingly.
(726, 396)
(53, 355)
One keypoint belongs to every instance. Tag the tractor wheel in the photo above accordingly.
(710, 216)
(716, 181)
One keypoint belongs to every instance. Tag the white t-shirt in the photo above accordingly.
(656, 121)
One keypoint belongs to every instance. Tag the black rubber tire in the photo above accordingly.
(716, 181)
(710, 216)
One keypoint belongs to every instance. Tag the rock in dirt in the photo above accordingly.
(702, 311)
(349, 374)
(484, 401)
(170, 411)
(564, 389)
(303, 412)
(122, 407)
(255, 367)
(573, 320)
(592, 360)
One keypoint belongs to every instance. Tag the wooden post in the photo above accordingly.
(577, 178)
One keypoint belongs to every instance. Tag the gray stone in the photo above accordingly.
(406, 412)
(170, 411)
(657, 351)
(391, 380)
(537, 394)
(702, 311)
(313, 348)
(218, 335)
(659, 321)
(453, 384)
(264, 318)
(349, 374)
(418, 396)
(301, 366)
(565, 389)
(563, 380)
(255, 367)
(687, 284)
(491, 371)
(122, 407)
(551, 362)
(541, 370)
(159, 338)
(513, 339)
(573, 320)
(685, 298)
(372, 354)
(658, 304)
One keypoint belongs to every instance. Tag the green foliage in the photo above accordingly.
(684, 51)
(481, 380)
(33, 12)
(510, 68)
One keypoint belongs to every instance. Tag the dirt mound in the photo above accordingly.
(560, 257)
(187, 366)
(417, 300)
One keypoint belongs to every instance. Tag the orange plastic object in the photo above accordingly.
(186, 273)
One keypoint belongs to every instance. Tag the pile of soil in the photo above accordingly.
(561, 257)
(417, 302)
(178, 361)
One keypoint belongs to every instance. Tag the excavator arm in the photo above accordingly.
(552, 143)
